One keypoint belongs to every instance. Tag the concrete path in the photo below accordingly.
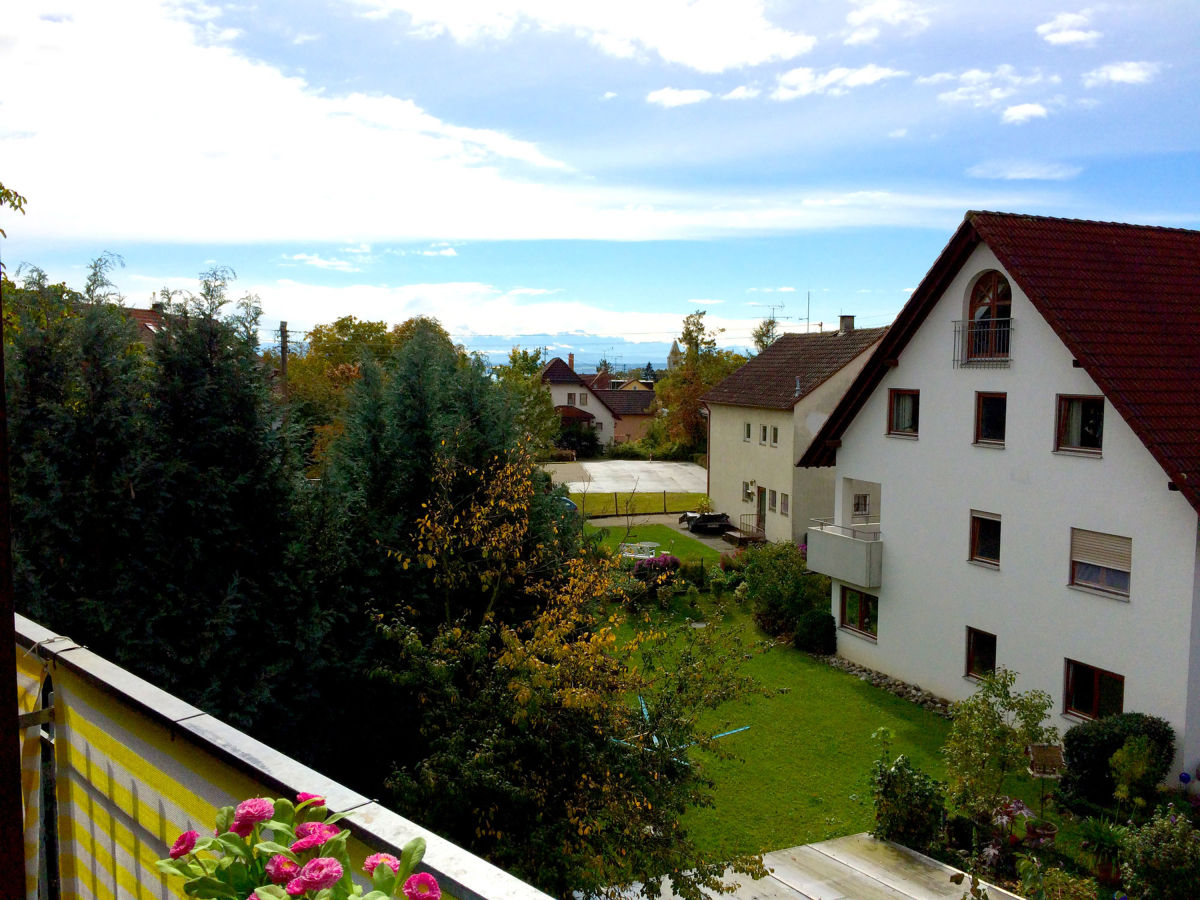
(857, 867)
(625, 475)
(671, 520)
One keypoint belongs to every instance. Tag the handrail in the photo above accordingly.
(871, 529)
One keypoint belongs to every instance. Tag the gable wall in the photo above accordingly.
(928, 487)
(604, 417)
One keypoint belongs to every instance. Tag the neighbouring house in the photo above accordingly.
(1025, 445)
(761, 420)
(149, 323)
(633, 411)
(575, 401)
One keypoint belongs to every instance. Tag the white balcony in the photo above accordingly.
(849, 553)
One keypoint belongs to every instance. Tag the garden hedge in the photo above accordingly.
(1089, 746)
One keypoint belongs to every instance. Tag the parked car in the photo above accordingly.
(706, 523)
(568, 504)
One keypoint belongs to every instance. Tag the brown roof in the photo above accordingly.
(569, 413)
(627, 403)
(558, 372)
(1124, 299)
(149, 322)
(792, 368)
(601, 381)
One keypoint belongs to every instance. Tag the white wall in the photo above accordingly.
(732, 460)
(603, 415)
(930, 593)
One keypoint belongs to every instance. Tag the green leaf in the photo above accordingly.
(210, 888)
(224, 818)
(284, 811)
(378, 895)
(271, 892)
(234, 845)
(384, 879)
(414, 852)
(270, 847)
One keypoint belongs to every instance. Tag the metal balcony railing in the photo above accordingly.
(864, 531)
(983, 344)
(848, 553)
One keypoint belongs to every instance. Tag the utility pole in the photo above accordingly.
(283, 353)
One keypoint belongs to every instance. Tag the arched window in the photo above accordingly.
(989, 317)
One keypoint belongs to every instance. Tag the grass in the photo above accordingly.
(595, 503)
(668, 539)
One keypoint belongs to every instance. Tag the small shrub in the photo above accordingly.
(1042, 883)
(716, 580)
(741, 592)
(1161, 859)
(1089, 747)
(692, 572)
(909, 806)
(556, 454)
(655, 566)
(816, 632)
(781, 587)
(1130, 767)
(628, 450)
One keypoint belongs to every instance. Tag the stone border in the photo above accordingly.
(910, 692)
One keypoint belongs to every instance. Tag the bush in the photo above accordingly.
(693, 572)
(628, 450)
(1038, 883)
(816, 632)
(1161, 859)
(556, 454)
(580, 438)
(655, 566)
(779, 586)
(1089, 747)
(909, 806)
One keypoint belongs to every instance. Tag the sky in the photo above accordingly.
(575, 175)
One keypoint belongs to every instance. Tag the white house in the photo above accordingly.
(576, 401)
(761, 420)
(1018, 473)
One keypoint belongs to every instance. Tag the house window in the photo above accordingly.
(583, 399)
(990, 412)
(904, 407)
(570, 399)
(774, 435)
(862, 505)
(981, 652)
(989, 317)
(1092, 692)
(746, 432)
(1101, 561)
(599, 426)
(762, 434)
(747, 494)
(1080, 424)
(783, 504)
(772, 498)
(985, 538)
(860, 612)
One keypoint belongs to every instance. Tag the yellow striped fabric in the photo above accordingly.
(31, 671)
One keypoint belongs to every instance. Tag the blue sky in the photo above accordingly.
(579, 175)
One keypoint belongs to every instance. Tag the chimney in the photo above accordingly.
(845, 324)
(571, 359)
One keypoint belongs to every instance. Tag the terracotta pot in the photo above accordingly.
(1108, 872)
(1041, 834)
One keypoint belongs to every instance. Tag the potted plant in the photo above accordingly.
(1040, 833)
(1101, 838)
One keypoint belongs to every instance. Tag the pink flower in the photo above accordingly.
(296, 887)
(183, 846)
(320, 873)
(376, 858)
(280, 869)
(249, 813)
(312, 834)
(422, 886)
(304, 797)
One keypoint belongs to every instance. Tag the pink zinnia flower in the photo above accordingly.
(296, 887)
(280, 869)
(422, 886)
(320, 873)
(376, 858)
(304, 797)
(184, 844)
(312, 834)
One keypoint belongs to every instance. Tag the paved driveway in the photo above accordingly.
(630, 474)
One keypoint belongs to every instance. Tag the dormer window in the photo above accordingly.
(989, 315)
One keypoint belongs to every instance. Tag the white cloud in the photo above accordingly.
(772, 290)
(1023, 112)
(708, 36)
(1023, 170)
(803, 81)
(743, 92)
(867, 16)
(696, 301)
(608, 95)
(359, 248)
(305, 39)
(320, 262)
(981, 88)
(675, 97)
(1069, 28)
(1122, 73)
(898, 133)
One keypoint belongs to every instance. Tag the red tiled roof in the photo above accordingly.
(627, 403)
(574, 413)
(1124, 299)
(558, 372)
(792, 368)
(149, 321)
(601, 381)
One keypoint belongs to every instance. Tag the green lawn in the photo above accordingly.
(640, 503)
(669, 540)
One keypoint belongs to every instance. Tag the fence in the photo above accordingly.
(642, 503)
(115, 769)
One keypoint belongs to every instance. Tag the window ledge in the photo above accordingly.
(1072, 716)
(900, 435)
(972, 677)
(1097, 592)
(862, 635)
(989, 445)
(984, 564)
(1082, 454)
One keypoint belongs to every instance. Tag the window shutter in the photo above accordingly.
(1098, 549)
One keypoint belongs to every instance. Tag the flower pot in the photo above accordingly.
(1041, 834)
(1108, 872)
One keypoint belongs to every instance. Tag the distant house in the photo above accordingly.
(1018, 473)
(575, 401)
(761, 420)
(149, 322)
(633, 409)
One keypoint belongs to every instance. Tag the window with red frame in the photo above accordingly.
(989, 317)
(1091, 692)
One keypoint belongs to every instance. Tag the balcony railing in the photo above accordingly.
(114, 769)
(850, 553)
(983, 344)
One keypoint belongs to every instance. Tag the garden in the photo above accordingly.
(826, 754)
